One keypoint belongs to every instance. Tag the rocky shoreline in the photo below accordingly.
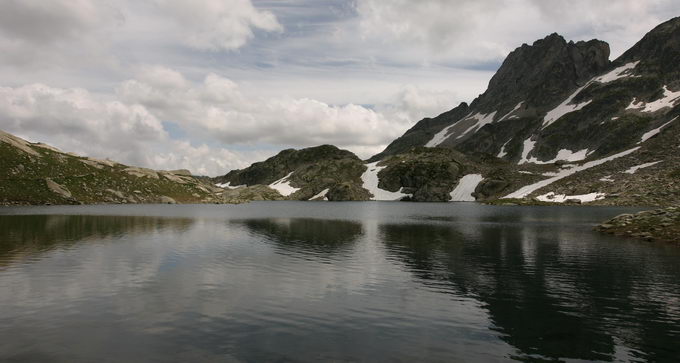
(662, 225)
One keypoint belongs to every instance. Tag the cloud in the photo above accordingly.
(217, 24)
(41, 22)
(469, 31)
(217, 108)
(79, 121)
(236, 128)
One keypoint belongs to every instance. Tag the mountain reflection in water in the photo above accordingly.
(342, 281)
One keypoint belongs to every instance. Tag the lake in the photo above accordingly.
(341, 282)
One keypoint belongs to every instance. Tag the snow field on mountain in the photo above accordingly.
(466, 186)
(370, 183)
(561, 198)
(528, 189)
(283, 186)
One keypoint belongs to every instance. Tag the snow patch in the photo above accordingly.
(466, 186)
(482, 120)
(370, 183)
(607, 178)
(528, 146)
(228, 186)
(561, 198)
(283, 186)
(668, 100)
(563, 154)
(565, 108)
(654, 132)
(528, 189)
(638, 167)
(620, 72)
(321, 195)
(507, 115)
(503, 153)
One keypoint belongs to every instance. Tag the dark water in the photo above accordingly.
(343, 282)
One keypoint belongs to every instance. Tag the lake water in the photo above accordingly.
(342, 282)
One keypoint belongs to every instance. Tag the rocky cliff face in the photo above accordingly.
(555, 101)
(561, 111)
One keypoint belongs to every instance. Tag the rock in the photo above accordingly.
(347, 192)
(166, 200)
(141, 172)
(655, 225)
(18, 143)
(117, 193)
(490, 187)
(58, 189)
(182, 172)
(250, 194)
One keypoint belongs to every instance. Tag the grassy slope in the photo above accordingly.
(23, 180)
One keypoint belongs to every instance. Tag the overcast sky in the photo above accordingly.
(213, 85)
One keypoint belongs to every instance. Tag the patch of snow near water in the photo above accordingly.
(228, 186)
(561, 198)
(668, 100)
(466, 186)
(654, 132)
(528, 189)
(370, 179)
(621, 72)
(322, 194)
(283, 186)
(638, 167)
(565, 108)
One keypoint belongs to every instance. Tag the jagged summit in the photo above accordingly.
(563, 101)
(538, 74)
(658, 51)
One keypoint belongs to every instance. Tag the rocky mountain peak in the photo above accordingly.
(658, 51)
(539, 74)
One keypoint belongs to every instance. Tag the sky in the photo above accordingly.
(215, 85)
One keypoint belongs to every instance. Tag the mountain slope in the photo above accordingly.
(419, 174)
(555, 101)
(40, 174)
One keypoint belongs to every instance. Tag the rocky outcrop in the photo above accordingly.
(655, 225)
(307, 171)
(250, 194)
(345, 192)
(428, 175)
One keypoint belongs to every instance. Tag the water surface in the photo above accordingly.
(310, 282)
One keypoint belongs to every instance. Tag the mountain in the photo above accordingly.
(34, 173)
(558, 102)
(326, 172)
(559, 123)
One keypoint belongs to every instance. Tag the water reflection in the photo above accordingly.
(32, 234)
(305, 235)
(547, 303)
(422, 283)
